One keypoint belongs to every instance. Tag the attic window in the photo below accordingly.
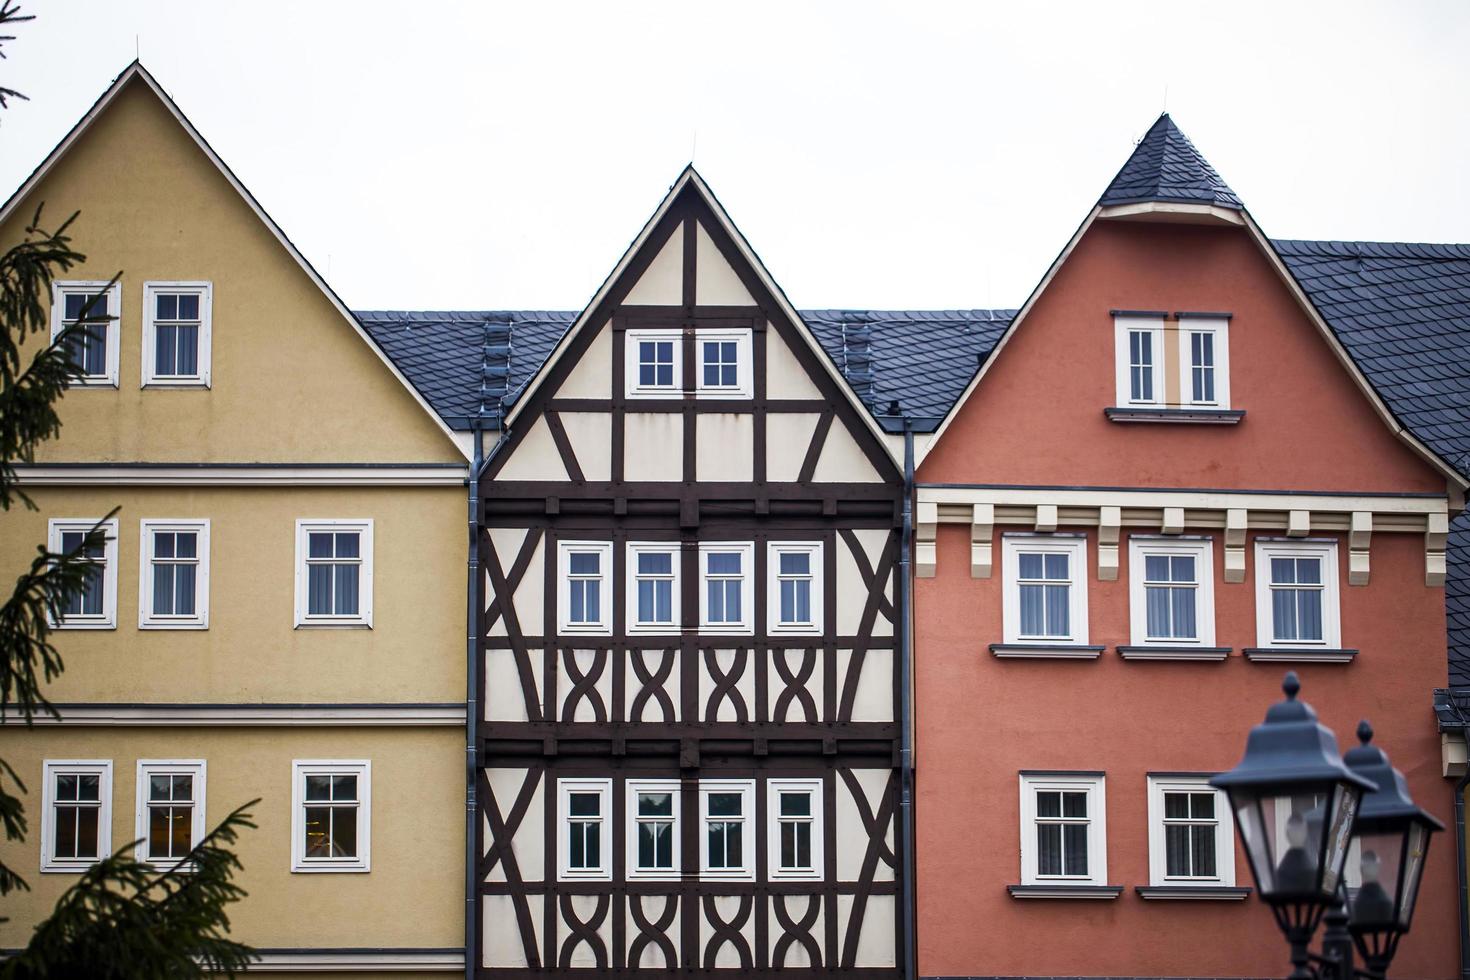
(1171, 368)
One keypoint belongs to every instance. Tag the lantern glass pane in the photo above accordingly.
(1416, 847)
(1373, 884)
(1283, 835)
(1251, 821)
(1339, 831)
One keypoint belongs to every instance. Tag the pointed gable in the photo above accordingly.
(1166, 167)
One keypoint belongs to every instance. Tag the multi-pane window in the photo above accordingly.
(176, 327)
(1202, 366)
(728, 831)
(654, 365)
(584, 590)
(1141, 366)
(795, 830)
(92, 309)
(1296, 593)
(794, 597)
(586, 824)
(174, 581)
(334, 573)
(170, 809)
(653, 596)
(1062, 833)
(331, 815)
(1172, 590)
(719, 363)
(653, 828)
(76, 827)
(94, 606)
(723, 357)
(1190, 832)
(1045, 588)
(725, 574)
(1204, 360)
(1045, 581)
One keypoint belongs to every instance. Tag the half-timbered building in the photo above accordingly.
(689, 712)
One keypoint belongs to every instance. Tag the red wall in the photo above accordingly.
(981, 719)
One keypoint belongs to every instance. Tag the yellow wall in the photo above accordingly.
(251, 652)
(412, 896)
(292, 380)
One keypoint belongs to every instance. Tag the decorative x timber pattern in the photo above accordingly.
(728, 931)
(651, 684)
(794, 684)
(725, 682)
(654, 933)
(502, 607)
(503, 829)
(877, 582)
(877, 826)
(584, 685)
(798, 932)
(584, 931)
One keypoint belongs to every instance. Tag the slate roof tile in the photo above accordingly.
(1165, 166)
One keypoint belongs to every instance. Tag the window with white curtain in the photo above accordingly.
(1045, 588)
(173, 579)
(1191, 833)
(334, 573)
(1296, 593)
(794, 587)
(176, 334)
(94, 311)
(1171, 590)
(1063, 829)
(725, 572)
(1204, 361)
(653, 592)
(1139, 360)
(584, 591)
(95, 605)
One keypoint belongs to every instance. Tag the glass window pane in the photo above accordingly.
(318, 787)
(1032, 619)
(189, 306)
(1283, 614)
(1156, 607)
(655, 804)
(1048, 804)
(1283, 571)
(577, 845)
(344, 831)
(732, 602)
(318, 831)
(718, 858)
(788, 845)
(655, 563)
(1309, 571)
(163, 590)
(1048, 849)
(648, 845)
(347, 544)
(1056, 566)
(319, 545)
(585, 562)
(1202, 805)
(344, 787)
(734, 855)
(578, 612)
(1030, 565)
(788, 601)
(663, 601)
(584, 804)
(87, 819)
(159, 836)
(716, 596)
(184, 576)
(1176, 806)
(168, 306)
(1309, 614)
(1202, 850)
(73, 303)
(796, 804)
(803, 602)
(724, 563)
(163, 544)
(1181, 568)
(89, 787)
(645, 602)
(796, 563)
(1058, 615)
(66, 786)
(1074, 848)
(1156, 568)
(1176, 850)
(346, 587)
(1184, 624)
(1074, 804)
(725, 804)
(160, 788)
(803, 845)
(664, 851)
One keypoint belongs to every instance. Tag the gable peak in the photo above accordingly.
(1165, 166)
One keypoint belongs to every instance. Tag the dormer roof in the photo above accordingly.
(1165, 167)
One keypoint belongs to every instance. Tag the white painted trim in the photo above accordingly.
(363, 619)
(205, 291)
(1097, 829)
(363, 770)
(748, 817)
(50, 768)
(461, 441)
(1178, 211)
(774, 551)
(1123, 329)
(1075, 548)
(197, 768)
(674, 337)
(1187, 499)
(774, 871)
(263, 474)
(1203, 553)
(354, 960)
(604, 551)
(1331, 610)
(147, 620)
(1219, 327)
(603, 789)
(634, 624)
(107, 620)
(631, 788)
(1224, 833)
(251, 716)
(744, 386)
(746, 625)
(63, 287)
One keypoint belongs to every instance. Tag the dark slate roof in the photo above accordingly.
(1165, 166)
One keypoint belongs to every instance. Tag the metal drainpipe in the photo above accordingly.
(1464, 884)
(472, 690)
(906, 753)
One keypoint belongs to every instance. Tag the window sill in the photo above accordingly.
(1193, 893)
(1187, 416)
(176, 385)
(333, 626)
(1161, 652)
(1298, 655)
(1055, 651)
(1091, 892)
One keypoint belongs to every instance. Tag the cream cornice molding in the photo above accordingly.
(241, 475)
(352, 960)
(142, 715)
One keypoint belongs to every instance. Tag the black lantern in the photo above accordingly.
(1391, 839)
(1294, 803)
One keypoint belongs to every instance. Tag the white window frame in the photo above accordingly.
(205, 292)
(147, 618)
(746, 626)
(168, 767)
(1326, 551)
(746, 788)
(1122, 358)
(364, 617)
(564, 551)
(564, 789)
(774, 551)
(107, 619)
(363, 770)
(631, 387)
(59, 290)
(1202, 550)
(1219, 327)
(1158, 862)
(1015, 544)
(774, 788)
(636, 548)
(743, 387)
(50, 768)
(632, 788)
(1097, 829)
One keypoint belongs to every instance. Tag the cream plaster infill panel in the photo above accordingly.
(653, 447)
(785, 377)
(535, 458)
(590, 434)
(529, 603)
(852, 836)
(875, 948)
(592, 375)
(501, 946)
(724, 447)
(842, 460)
(662, 283)
(504, 700)
(852, 590)
(787, 439)
(873, 699)
(529, 842)
(715, 282)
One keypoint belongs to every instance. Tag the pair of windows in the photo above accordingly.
(725, 595)
(333, 573)
(655, 363)
(726, 829)
(1147, 345)
(1171, 591)
(176, 331)
(1064, 831)
(329, 800)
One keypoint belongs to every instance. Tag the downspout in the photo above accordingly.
(1464, 883)
(472, 691)
(906, 752)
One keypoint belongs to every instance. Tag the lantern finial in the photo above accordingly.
(1365, 732)
(1291, 685)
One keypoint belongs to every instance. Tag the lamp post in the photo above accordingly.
(1301, 810)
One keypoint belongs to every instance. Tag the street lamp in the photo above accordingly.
(1294, 803)
(1392, 839)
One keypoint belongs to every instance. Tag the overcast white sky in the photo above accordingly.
(904, 155)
